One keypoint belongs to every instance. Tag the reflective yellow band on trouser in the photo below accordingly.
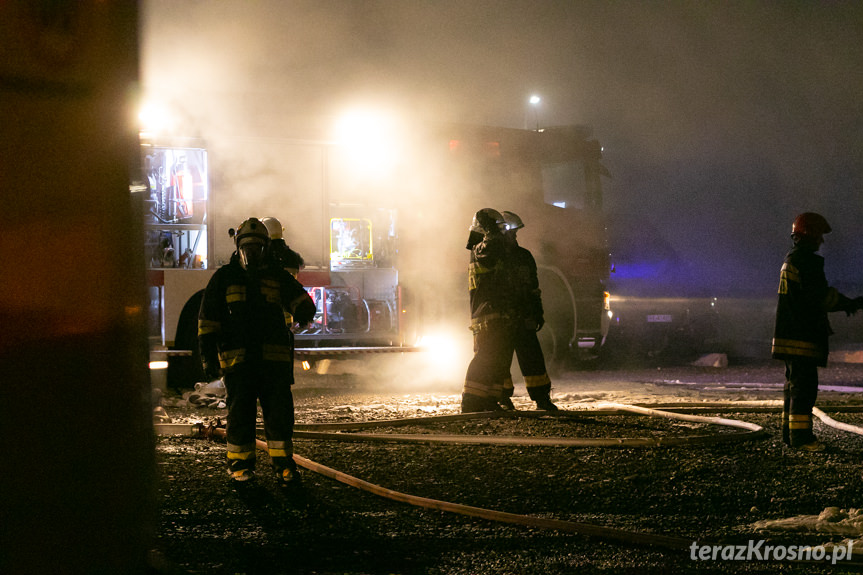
(796, 421)
(479, 389)
(536, 380)
(232, 357)
(208, 326)
(280, 448)
(796, 347)
(277, 352)
(243, 452)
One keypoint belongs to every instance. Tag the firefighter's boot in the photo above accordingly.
(239, 476)
(505, 400)
(542, 396)
(813, 446)
(786, 432)
(545, 404)
(506, 403)
(471, 403)
(801, 435)
(289, 477)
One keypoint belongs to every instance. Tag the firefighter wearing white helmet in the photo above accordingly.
(491, 314)
(243, 338)
(802, 329)
(521, 268)
(280, 254)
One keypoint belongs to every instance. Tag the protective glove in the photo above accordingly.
(851, 306)
(539, 323)
(473, 239)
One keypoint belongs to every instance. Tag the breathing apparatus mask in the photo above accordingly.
(252, 240)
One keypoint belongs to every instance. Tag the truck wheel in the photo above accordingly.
(548, 341)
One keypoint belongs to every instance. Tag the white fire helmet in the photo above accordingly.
(512, 221)
(274, 227)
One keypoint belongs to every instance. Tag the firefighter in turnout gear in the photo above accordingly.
(802, 328)
(521, 268)
(491, 314)
(280, 254)
(244, 338)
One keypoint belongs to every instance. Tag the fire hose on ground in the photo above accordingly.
(751, 431)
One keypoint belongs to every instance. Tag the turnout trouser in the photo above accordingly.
(273, 389)
(493, 348)
(800, 392)
(531, 362)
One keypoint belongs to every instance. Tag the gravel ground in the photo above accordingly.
(706, 493)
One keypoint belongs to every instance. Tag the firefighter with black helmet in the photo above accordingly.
(492, 316)
(802, 329)
(280, 253)
(243, 338)
(521, 267)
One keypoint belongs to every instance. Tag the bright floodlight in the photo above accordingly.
(534, 99)
(153, 119)
(370, 137)
(361, 128)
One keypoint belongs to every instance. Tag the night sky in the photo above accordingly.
(720, 120)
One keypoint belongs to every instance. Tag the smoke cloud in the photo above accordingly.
(720, 122)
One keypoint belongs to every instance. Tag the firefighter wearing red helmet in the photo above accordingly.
(492, 314)
(802, 329)
(243, 338)
(530, 318)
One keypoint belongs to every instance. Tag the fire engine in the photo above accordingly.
(381, 227)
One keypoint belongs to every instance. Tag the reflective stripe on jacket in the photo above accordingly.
(488, 284)
(242, 317)
(802, 328)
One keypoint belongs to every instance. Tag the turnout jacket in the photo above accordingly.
(243, 318)
(802, 328)
(527, 294)
(488, 283)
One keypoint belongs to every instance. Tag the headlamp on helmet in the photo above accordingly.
(512, 221)
(810, 224)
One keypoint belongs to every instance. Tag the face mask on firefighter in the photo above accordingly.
(252, 253)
